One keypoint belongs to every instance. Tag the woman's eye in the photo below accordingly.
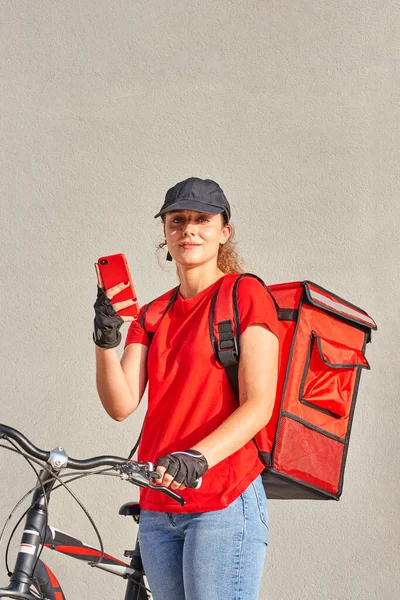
(180, 220)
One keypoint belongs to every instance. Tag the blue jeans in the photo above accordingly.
(217, 555)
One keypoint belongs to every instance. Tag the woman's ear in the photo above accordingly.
(226, 233)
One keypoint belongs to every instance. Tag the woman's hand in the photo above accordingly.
(107, 322)
(181, 469)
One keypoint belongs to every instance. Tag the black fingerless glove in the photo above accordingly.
(184, 467)
(107, 322)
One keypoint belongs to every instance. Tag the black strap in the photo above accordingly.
(287, 314)
(135, 447)
(227, 351)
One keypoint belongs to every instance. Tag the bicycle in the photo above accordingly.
(32, 578)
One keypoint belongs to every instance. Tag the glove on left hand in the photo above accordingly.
(184, 467)
(107, 322)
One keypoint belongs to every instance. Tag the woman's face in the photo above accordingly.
(194, 238)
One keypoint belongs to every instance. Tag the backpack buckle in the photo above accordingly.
(228, 352)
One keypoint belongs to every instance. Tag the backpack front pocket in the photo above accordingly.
(329, 376)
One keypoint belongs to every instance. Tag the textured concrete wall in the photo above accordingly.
(294, 108)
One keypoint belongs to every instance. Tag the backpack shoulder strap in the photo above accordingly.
(225, 325)
(155, 311)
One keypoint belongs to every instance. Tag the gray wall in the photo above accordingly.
(294, 108)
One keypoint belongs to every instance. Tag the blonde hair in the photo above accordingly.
(228, 260)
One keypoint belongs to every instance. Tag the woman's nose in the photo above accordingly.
(188, 227)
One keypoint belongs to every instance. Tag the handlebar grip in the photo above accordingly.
(17, 436)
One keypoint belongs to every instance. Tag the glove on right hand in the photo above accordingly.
(107, 322)
(185, 467)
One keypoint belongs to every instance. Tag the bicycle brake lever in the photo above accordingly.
(168, 492)
(142, 479)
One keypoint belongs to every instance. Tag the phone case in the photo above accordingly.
(113, 270)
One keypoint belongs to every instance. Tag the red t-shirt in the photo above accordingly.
(189, 395)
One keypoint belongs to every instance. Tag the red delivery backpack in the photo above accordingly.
(322, 340)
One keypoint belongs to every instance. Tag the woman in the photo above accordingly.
(213, 548)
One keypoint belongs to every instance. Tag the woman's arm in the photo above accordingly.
(258, 374)
(121, 385)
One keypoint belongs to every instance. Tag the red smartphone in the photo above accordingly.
(113, 270)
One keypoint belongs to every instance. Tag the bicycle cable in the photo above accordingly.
(101, 472)
(45, 466)
(61, 484)
(28, 459)
(36, 487)
(87, 474)
(19, 501)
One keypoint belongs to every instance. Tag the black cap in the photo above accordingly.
(202, 195)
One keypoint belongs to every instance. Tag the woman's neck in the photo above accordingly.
(196, 279)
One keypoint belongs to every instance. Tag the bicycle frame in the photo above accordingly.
(29, 571)
(62, 542)
(32, 578)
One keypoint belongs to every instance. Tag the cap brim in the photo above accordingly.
(191, 205)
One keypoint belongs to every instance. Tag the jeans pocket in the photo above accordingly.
(261, 501)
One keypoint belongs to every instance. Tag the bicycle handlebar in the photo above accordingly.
(82, 465)
(137, 473)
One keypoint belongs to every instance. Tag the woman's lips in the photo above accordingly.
(189, 245)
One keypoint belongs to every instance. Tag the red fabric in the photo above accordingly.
(189, 395)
